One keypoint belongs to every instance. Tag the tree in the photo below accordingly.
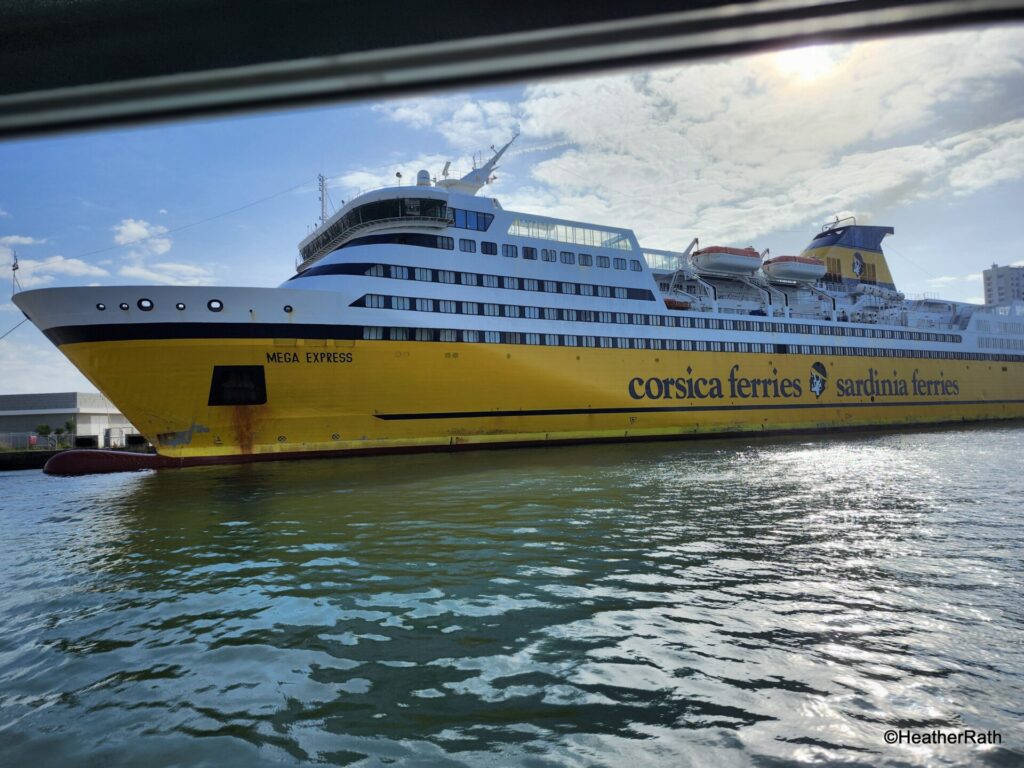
(43, 430)
(69, 426)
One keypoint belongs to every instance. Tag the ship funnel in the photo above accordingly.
(471, 183)
(423, 179)
(852, 254)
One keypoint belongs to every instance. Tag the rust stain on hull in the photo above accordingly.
(245, 422)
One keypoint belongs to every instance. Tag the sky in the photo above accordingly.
(922, 133)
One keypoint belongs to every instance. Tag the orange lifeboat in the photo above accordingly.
(796, 268)
(676, 304)
(718, 258)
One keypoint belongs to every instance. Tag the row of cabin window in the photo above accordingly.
(429, 275)
(549, 254)
(378, 301)
(376, 333)
(989, 342)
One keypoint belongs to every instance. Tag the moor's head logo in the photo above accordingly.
(858, 264)
(819, 379)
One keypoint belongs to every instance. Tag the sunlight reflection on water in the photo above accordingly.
(716, 602)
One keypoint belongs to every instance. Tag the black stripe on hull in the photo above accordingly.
(76, 334)
(675, 409)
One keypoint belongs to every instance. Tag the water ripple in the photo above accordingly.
(721, 603)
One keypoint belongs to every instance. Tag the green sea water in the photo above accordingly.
(769, 603)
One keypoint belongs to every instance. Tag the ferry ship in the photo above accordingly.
(428, 317)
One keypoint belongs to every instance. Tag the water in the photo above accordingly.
(715, 603)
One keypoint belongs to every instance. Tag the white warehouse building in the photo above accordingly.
(94, 419)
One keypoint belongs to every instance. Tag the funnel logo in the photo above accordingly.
(819, 379)
(858, 264)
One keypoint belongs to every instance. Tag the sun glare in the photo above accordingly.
(805, 64)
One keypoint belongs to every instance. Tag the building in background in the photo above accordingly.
(1004, 284)
(93, 420)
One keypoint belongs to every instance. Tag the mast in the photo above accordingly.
(15, 286)
(323, 198)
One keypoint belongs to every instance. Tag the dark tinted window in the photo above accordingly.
(238, 385)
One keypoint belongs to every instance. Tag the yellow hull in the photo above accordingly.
(385, 395)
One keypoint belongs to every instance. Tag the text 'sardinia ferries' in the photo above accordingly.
(427, 317)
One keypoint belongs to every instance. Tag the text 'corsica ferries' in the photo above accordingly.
(427, 317)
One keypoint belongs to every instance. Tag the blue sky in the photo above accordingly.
(922, 133)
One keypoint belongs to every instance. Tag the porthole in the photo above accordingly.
(179, 306)
(215, 305)
(288, 308)
(101, 306)
(124, 306)
(145, 305)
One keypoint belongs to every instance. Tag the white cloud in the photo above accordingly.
(33, 273)
(19, 240)
(141, 232)
(468, 124)
(149, 241)
(30, 367)
(420, 112)
(738, 149)
(167, 273)
(986, 156)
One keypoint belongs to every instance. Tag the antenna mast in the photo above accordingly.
(323, 197)
(15, 286)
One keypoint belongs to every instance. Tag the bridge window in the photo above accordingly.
(529, 253)
(510, 251)
(467, 246)
(491, 249)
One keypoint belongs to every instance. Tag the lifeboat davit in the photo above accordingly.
(796, 268)
(736, 261)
